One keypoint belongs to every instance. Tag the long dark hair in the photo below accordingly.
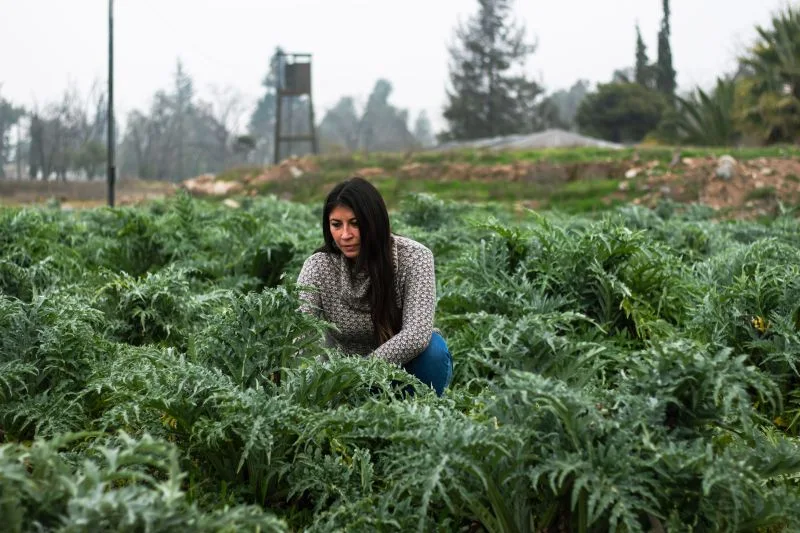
(375, 253)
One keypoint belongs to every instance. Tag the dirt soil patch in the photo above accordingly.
(288, 169)
(83, 193)
(744, 189)
(247, 181)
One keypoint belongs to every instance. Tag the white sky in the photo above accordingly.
(45, 45)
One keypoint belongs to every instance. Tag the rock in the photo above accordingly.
(726, 167)
(233, 204)
(632, 173)
(205, 185)
(766, 171)
(221, 188)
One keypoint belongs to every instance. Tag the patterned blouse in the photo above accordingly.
(341, 298)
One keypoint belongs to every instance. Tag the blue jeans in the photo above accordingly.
(434, 365)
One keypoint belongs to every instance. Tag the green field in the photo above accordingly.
(626, 370)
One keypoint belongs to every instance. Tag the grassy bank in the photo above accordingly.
(575, 180)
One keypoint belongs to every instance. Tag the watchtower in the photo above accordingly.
(294, 83)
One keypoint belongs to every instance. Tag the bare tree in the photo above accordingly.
(226, 112)
(66, 137)
(9, 116)
(48, 152)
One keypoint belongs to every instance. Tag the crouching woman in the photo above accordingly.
(379, 289)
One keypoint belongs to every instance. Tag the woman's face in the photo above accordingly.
(344, 230)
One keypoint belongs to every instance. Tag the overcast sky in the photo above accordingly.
(47, 44)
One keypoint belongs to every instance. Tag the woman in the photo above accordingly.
(378, 288)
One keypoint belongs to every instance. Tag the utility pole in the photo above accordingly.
(19, 155)
(112, 169)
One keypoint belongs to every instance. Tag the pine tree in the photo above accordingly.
(489, 94)
(642, 73)
(665, 73)
(262, 121)
(384, 127)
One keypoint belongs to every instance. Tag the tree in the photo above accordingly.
(665, 73)
(423, 131)
(48, 139)
(182, 110)
(68, 136)
(708, 119)
(621, 112)
(172, 141)
(262, 121)
(770, 88)
(547, 115)
(60, 132)
(90, 158)
(643, 71)
(624, 75)
(384, 127)
(182, 135)
(489, 93)
(9, 115)
(568, 101)
(91, 152)
(84, 120)
(339, 128)
(221, 119)
(381, 126)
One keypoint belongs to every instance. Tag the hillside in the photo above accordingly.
(740, 183)
(757, 182)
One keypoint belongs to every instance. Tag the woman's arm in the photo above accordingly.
(311, 278)
(419, 304)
